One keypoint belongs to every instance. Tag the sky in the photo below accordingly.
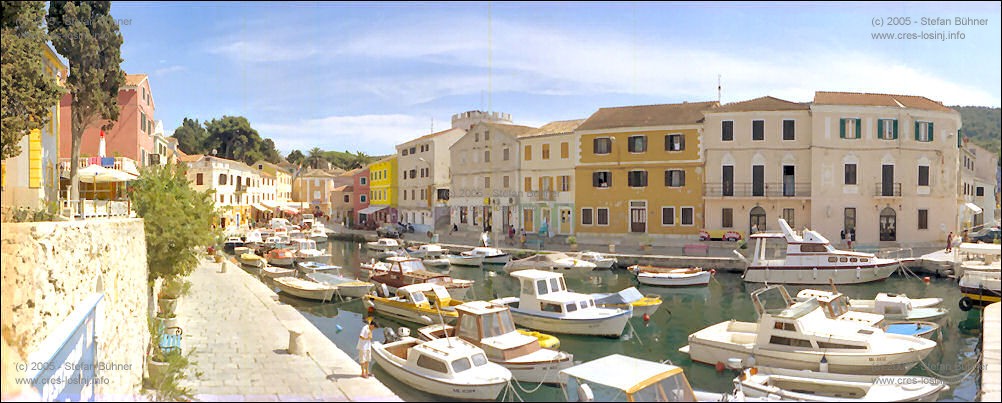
(366, 76)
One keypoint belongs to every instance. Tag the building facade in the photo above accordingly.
(548, 157)
(282, 186)
(31, 179)
(984, 192)
(132, 135)
(423, 172)
(382, 193)
(485, 175)
(237, 187)
(360, 196)
(314, 187)
(342, 205)
(758, 165)
(887, 167)
(641, 171)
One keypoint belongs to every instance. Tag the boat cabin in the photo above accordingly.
(809, 324)
(447, 357)
(387, 242)
(304, 244)
(484, 251)
(810, 249)
(616, 376)
(546, 291)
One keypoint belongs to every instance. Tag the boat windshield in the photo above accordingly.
(498, 323)
(461, 365)
(408, 266)
(479, 360)
(418, 298)
(799, 309)
(671, 389)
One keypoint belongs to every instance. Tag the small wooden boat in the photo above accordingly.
(345, 287)
(465, 260)
(550, 261)
(450, 367)
(305, 289)
(891, 306)
(307, 267)
(628, 299)
(601, 262)
(253, 260)
(811, 386)
(280, 257)
(405, 271)
(410, 303)
(239, 250)
(383, 244)
(621, 378)
(276, 272)
(669, 277)
(490, 255)
(916, 328)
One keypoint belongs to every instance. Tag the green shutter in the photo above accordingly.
(859, 128)
(880, 128)
(841, 128)
(931, 131)
(895, 129)
(916, 131)
(959, 139)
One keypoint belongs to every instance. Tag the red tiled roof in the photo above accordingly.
(765, 103)
(866, 99)
(685, 113)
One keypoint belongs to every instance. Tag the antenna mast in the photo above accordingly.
(718, 88)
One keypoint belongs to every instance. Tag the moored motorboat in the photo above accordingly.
(252, 260)
(383, 244)
(305, 289)
(490, 255)
(411, 303)
(629, 299)
(307, 267)
(306, 250)
(464, 260)
(405, 271)
(317, 233)
(891, 306)
(544, 303)
(810, 386)
(231, 243)
(550, 261)
(917, 328)
(617, 377)
(253, 238)
(280, 257)
(979, 289)
(345, 286)
(449, 367)
(601, 261)
(671, 277)
(276, 272)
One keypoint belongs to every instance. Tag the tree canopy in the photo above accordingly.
(231, 136)
(190, 136)
(28, 93)
(982, 126)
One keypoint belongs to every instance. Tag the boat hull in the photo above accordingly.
(280, 272)
(472, 261)
(819, 387)
(441, 387)
(353, 291)
(282, 261)
(259, 263)
(539, 371)
(819, 275)
(671, 280)
(611, 326)
(497, 259)
(318, 295)
(408, 313)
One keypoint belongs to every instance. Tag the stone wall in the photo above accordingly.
(51, 267)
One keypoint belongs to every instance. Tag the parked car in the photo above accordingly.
(388, 231)
(986, 235)
(719, 234)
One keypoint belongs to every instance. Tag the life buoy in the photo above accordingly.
(430, 234)
(966, 304)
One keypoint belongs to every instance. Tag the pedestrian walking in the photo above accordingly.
(852, 237)
(365, 346)
(949, 242)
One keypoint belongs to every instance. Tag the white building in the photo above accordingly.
(547, 177)
(238, 188)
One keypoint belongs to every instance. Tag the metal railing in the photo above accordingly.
(123, 164)
(542, 195)
(749, 189)
(65, 369)
(890, 190)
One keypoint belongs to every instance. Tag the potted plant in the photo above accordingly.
(171, 289)
(573, 242)
(167, 367)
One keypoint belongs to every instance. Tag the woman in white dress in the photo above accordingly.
(365, 346)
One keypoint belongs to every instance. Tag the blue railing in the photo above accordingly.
(63, 368)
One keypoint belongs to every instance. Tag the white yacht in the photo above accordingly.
(490, 255)
(802, 336)
(545, 304)
(618, 378)
(811, 259)
(557, 261)
(430, 254)
(810, 386)
(317, 233)
(601, 261)
(450, 367)
(383, 244)
(306, 250)
(891, 306)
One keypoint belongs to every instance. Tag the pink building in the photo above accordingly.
(360, 198)
(132, 134)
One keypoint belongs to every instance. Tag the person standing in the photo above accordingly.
(949, 242)
(365, 346)
(852, 237)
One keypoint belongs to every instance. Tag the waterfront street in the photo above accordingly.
(239, 334)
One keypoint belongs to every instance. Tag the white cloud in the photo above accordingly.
(373, 134)
(167, 70)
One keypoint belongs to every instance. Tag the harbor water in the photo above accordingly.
(684, 311)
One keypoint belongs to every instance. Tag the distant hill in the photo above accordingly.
(982, 125)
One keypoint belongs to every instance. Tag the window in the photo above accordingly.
(850, 174)
(462, 215)
(849, 128)
(347, 199)
(528, 153)
(602, 145)
(727, 218)
(405, 152)
(505, 181)
(789, 129)
(727, 130)
(674, 178)
(505, 154)
(788, 216)
(487, 182)
(923, 175)
(528, 184)
(637, 178)
(222, 179)
(923, 131)
(674, 142)
(601, 179)
(565, 183)
(979, 191)
(413, 173)
(571, 307)
(586, 216)
(422, 194)
(142, 123)
(758, 130)
(668, 216)
(637, 144)
(565, 150)
(789, 341)
(887, 129)
(487, 156)
(687, 215)
(541, 287)
(427, 362)
(603, 216)
(198, 179)
(923, 219)
(487, 135)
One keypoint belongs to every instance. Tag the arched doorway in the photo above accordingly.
(756, 220)
(888, 224)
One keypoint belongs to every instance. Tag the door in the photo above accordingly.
(527, 220)
(758, 180)
(638, 216)
(727, 181)
(565, 221)
(888, 224)
(887, 180)
(756, 220)
(788, 181)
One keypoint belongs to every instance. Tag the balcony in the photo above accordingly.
(887, 189)
(748, 189)
(542, 195)
(123, 164)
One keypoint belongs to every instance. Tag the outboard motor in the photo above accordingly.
(390, 335)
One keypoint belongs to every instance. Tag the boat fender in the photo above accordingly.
(719, 367)
(647, 317)
(384, 290)
(815, 273)
(823, 366)
(585, 394)
(966, 304)
(858, 272)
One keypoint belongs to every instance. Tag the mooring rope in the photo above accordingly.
(959, 377)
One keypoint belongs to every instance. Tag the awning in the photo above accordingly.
(371, 209)
(974, 208)
(290, 210)
(269, 204)
(99, 174)
(261, 208)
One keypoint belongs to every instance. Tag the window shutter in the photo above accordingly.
(895, 129)
(931, 131)
(681, 178)
(916, 131)
(681, 143)
(594, 179)
(880, 128)
(859, 128)
(841, 128)
(594, 147)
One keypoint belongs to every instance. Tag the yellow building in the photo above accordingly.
(641, 170)
(382, 191)
(31, 179)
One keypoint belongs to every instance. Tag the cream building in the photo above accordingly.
(549, 155)
(758, 165)
(485, 175)
(282, 183)
(423, 180)
(238, 191)
(981, 190)
(888, 166)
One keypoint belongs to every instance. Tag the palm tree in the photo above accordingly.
(316, 155)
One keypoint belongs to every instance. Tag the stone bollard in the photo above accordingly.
(222, 267)
(612, 248)
(297, 345)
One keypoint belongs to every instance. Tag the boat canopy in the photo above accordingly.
(626, 296)
(618, 371)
